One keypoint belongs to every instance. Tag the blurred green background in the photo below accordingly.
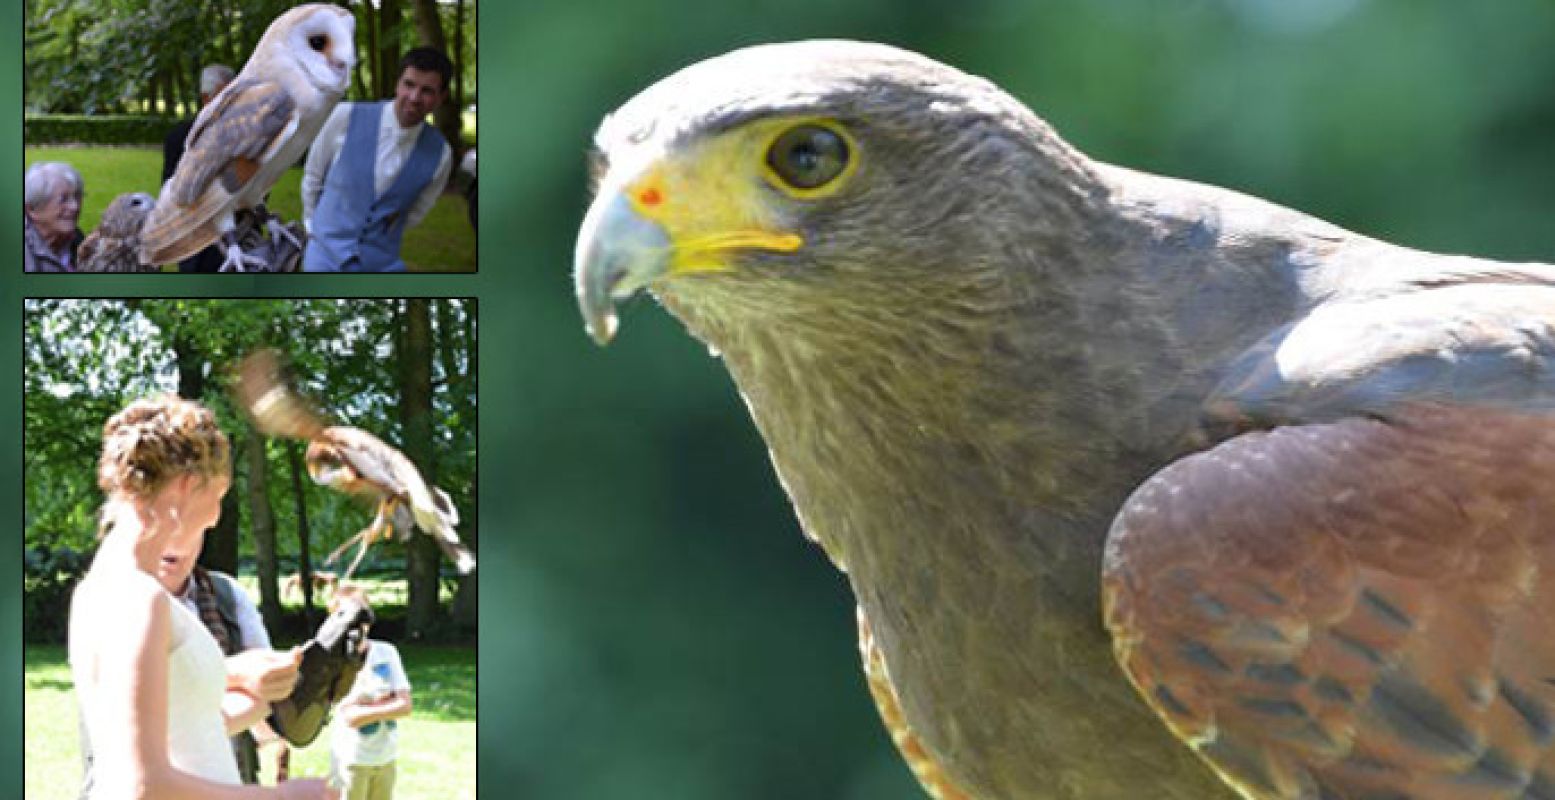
(661, 628)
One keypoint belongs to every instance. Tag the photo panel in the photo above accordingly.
(300, 475)
(274, 137)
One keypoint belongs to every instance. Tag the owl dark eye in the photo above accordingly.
(317, 42)
(808, 156)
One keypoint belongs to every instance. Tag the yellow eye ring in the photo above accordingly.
(809, 159)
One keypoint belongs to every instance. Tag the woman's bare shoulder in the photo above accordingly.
(120, 590)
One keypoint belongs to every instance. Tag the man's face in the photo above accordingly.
(416, 95)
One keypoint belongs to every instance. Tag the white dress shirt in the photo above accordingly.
(394, 146)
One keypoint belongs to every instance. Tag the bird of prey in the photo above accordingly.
(115, 245)
(1054, 417)
(351, 460)
(250, 133)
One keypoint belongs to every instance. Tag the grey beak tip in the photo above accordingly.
(618, 254)
(602, 331)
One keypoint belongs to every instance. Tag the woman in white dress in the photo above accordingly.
(149, 677)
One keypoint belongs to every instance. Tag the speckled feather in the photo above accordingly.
(114, 246)
(1362, 608)
(989, 340)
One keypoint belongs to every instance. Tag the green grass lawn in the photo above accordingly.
(443, 242)
(436, 743)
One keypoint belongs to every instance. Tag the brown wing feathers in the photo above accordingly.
(263, 391)
(228, 142)
(372, 460)
(1356, 609)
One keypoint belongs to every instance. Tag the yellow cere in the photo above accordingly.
(714, 198)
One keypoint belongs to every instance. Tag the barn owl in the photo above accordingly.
(251, 132)
(351, 460)
(115, 245)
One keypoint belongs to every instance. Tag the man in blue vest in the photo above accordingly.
(375, 170)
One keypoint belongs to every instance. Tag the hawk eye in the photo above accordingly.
(808, 156)
(317, 41)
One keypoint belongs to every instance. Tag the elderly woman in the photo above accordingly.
(52, 196)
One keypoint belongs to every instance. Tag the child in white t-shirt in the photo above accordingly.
(363, 744)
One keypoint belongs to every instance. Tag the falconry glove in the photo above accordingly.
(330, 661)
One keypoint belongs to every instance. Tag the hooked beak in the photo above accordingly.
(619, 252)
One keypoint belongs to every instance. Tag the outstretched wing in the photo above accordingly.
(1360, 608)
(232, 139)
(263, 391)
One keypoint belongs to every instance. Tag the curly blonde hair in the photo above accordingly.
(152, 441)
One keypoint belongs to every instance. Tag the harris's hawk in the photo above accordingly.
(1054, 416)
(351, 460)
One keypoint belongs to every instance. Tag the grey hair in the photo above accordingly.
(213, 77)
(42, 178)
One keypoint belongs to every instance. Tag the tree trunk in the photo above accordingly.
(421, 555)
(458, 56)
(262, 518)
(169, 94)
(460, 387)
(359, 80)
(446, 116)
(221, 542)
(304, 560)
(447, 337)
(370, 24)
(191, 368)
(429, 26)
(220, 551)
(181, 83)
(229, 29)
(389, 17)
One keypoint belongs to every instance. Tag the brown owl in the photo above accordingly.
(351, 460)
(115, 245)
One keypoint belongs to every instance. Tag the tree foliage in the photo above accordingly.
(85, 359)
(112, 56)
(108, 56)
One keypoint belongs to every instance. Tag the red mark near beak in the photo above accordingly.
(650, 197)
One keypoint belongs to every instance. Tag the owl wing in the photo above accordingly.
(1357, 608)
(100, 253)
(87, 254)
(233, 137)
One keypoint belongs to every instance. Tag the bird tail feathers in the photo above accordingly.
(173, 232)
(463, 559)
(439, 524)
(445, 506)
